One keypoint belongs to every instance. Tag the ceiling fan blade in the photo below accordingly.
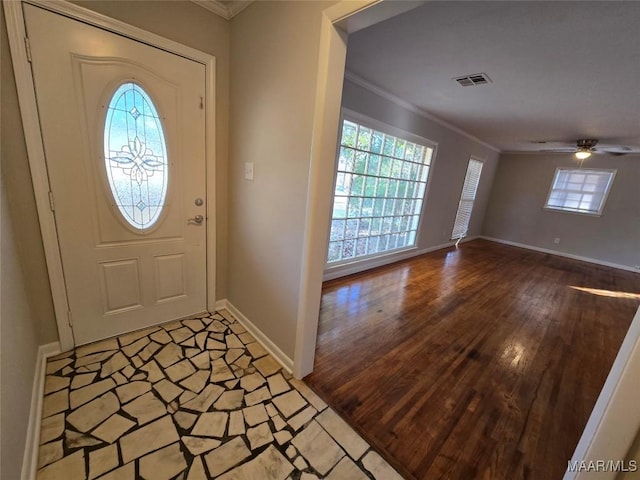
(609, 146)
(558, 150)
(614, 149)
(611, 152)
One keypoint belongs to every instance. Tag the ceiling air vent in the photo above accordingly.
(475, 79)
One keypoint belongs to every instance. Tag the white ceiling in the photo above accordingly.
(560, 70)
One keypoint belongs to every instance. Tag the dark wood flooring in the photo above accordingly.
(477, 363)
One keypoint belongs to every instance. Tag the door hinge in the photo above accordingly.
(201, 103)
(52, 205)
(69, 319)
(27, 46)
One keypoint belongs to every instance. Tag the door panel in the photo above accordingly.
(170, 276)
(120, 278)
(121, 285)
(97, 80)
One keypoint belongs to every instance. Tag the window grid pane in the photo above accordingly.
(380, 184)
(580, 190)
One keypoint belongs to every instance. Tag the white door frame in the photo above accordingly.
(331, 64)
(35, 148)
(615, 419)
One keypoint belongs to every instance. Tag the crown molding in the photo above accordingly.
(367, 85)
(237, 6)
(225, 9)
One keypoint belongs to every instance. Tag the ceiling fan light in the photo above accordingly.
(582, 154)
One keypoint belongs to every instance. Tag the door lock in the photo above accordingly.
(197, 220)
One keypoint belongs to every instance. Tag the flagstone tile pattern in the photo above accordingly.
(194, 399)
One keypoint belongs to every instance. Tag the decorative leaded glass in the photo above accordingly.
(135, 156)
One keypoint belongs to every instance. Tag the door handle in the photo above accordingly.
(197, 220)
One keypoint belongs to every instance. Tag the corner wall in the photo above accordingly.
(18, 349)
(632, 456)
(520, 189)
(274, 58)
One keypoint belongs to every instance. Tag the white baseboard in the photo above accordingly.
(269, 346)
(363, 265)
(561, 254)
(32, 443)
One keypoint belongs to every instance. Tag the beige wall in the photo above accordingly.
(18, 347)
(449, 166)
(22, 204)
(19, 336)
(520, 190)
(274, 55)
(191, 25)
(633, 455)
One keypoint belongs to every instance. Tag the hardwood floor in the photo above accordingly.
(478, 363)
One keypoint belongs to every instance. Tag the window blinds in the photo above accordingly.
(580, 190)
(468, 196)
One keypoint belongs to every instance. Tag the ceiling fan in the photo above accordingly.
(586, 146)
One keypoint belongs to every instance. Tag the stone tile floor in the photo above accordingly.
(191, 400)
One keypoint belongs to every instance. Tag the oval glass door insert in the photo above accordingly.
(135, 156)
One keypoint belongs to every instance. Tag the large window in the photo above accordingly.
(467, 198)
(580, 190)
(380, 184)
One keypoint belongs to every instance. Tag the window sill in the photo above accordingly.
(356, 265)
(585, 214)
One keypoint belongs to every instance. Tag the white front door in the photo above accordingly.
(123, 127)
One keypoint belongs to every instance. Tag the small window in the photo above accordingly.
(135, 156)
(467, 198)
(380, 185)
(580, 190)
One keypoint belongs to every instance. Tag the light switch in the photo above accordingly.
(248, 171)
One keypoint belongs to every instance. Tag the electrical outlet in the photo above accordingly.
(556, 240)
